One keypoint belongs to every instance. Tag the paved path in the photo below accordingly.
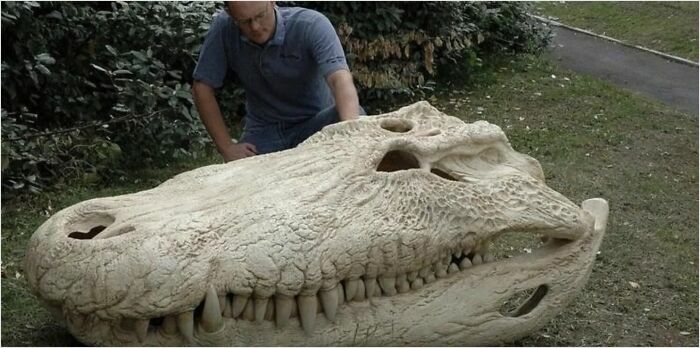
(671, 82)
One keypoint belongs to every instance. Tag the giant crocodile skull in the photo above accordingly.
(372, 232)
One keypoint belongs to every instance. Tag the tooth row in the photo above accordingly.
(282, 308)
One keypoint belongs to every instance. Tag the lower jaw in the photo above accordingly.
(462, 309)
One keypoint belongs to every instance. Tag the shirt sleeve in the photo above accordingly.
(325, 46)
(212, 64)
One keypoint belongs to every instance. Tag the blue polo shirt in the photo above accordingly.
(284, 79)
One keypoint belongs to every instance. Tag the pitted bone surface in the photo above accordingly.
(371, 232)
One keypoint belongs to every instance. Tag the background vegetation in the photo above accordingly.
(90, 89)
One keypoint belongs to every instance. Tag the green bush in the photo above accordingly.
(398, 48)
(98, 86)
(68, 65)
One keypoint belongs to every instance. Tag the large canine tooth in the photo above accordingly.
(453, 268)
(465, 264)
(360, 295)
(402, 284)
(417, 284)
(341, 294)
(350, 288)
(270, 311)
(170, 325)
(211, 315)
(283, 309)
(141, 328)
(249, 311)
(476, 260)
(388, 285)
(329, 301)
(238, 305)
(260, 308)
(185, 323)
(307, 312)
(370, 287)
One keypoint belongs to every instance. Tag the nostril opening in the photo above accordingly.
(524, 302)
(89, 226)
(396, 125)
(87, 235)
(398, 160)
(443, 174)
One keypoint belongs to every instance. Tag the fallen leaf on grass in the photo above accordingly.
(634, 285)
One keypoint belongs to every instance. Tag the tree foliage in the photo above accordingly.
(94, 87)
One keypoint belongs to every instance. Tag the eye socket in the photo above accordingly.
(396, 125)
(491, 156)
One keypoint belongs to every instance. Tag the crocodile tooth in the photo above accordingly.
(185, 322)
(429, 278)
(329, 300)
(222, 303)
(377, 289)
(170, 325)
(360, 295)
(465, 264)
(283, 306)
(295, 309)
(412, 276)
(440, 270)
(424, 272)
(270, 311)
(211, 315)
(370, 286)
(388, 285)
(307, 312)
(476, 260)
(238, 305)
(350, 288)
(341, 294)
(453, 268)
(457, 254)
(249, 311)
(260, 308)
(141, 328)
(402, 284)
(417, 284)
(227, 307)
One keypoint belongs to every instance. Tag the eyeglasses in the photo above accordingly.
(246, 22)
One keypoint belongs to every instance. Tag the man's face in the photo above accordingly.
(256, 20)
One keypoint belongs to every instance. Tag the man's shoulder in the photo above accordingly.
(300, 15)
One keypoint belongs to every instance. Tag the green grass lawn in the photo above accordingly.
(592, 139)
(670, 27)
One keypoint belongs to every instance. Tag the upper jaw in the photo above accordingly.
(459, 309)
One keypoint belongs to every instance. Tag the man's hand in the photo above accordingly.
(238, 151)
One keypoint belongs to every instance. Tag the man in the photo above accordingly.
(292, 68)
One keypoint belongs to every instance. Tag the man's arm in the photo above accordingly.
(346, 101)
(209, 112)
